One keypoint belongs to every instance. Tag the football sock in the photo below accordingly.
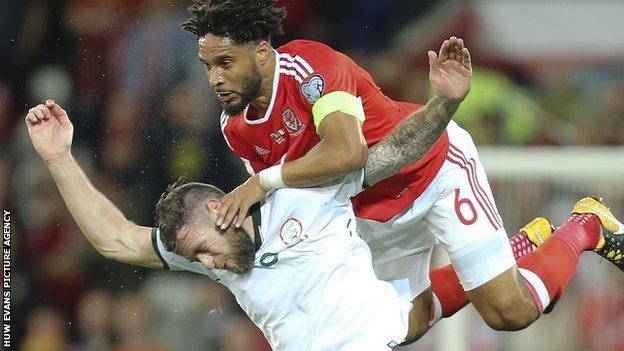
(548, 270)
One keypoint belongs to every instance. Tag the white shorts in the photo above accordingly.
(456, 210)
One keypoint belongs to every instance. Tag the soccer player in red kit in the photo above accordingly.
(305, 115)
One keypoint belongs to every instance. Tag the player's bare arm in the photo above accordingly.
(342, 149)
(102, 223)
(450, 75)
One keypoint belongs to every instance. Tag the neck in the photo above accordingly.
(261, 103)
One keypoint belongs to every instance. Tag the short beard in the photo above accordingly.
(251, 89)
(244, 252)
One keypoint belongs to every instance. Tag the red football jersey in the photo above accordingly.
(306, 70)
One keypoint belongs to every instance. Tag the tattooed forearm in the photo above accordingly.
(410, 140)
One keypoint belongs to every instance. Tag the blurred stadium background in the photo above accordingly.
(546, 108)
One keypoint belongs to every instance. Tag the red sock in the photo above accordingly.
(549, 269)
(448, 294)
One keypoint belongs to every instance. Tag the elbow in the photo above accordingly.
(355, 158)
(116, 255)
(107, 253)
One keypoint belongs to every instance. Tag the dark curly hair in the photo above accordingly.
(178, 204)
(243, 21)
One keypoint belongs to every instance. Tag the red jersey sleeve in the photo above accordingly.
(327, 79)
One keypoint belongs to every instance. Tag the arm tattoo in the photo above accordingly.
(409, 141)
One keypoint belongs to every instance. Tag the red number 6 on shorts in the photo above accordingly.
(466, 203)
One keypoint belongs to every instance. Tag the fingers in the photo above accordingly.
(242, 213)
(227, 211)
(452, 49)
(31, 119)
(444, 50)
(229, 216)
(433, 58)
(452, 54)
(55, 108)
(57, 111)
(38, 114)
(466, 59)
(458, 49)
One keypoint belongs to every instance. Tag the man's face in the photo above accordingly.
(231, 70)
(231, 250)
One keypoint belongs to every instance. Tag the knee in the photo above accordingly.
(415, 332)
(419, 316)
(509, 315)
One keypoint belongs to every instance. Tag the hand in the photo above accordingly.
(450, 74)
(50, 130)
(237, 203)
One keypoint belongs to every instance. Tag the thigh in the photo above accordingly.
(401, 247)
(465, 219)
(505, 302)
(409, 274)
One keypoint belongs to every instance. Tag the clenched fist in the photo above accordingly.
(50, 130)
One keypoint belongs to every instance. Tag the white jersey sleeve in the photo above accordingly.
(175, 262)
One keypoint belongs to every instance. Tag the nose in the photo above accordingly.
(215, 78)
(207, 260)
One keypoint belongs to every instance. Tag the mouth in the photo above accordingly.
(226, 97)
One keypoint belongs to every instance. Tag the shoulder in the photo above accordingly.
(313, 53)
(301, 46)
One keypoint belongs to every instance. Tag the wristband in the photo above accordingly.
(271, 178)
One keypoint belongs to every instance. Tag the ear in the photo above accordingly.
(263, 51)
(213, 205)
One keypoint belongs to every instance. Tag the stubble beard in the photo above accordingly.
(243, 251)
(251, 89)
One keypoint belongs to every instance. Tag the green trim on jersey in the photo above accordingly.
(155, 246)
(337, 101)
(257, 221)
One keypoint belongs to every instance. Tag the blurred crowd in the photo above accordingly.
(144, 116)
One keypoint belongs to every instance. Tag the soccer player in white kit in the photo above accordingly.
(309, 283)
(296, 266)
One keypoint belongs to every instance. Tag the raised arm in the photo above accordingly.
(450, 75)
(102, 223)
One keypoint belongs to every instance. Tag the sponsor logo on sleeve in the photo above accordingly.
(291, 122)
(279, 136)
(313, 88)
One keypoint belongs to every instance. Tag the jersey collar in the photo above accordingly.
(267, 114)
(257, 222)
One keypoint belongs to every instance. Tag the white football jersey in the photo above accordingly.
(312, 286)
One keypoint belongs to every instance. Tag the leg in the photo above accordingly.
(466, 222)
(505, 302)
(515, 298)
(446, 295)
(419, 316)
(449, 296)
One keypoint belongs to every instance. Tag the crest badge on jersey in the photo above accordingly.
(291, 231)
(313, 88)
(291, 122)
